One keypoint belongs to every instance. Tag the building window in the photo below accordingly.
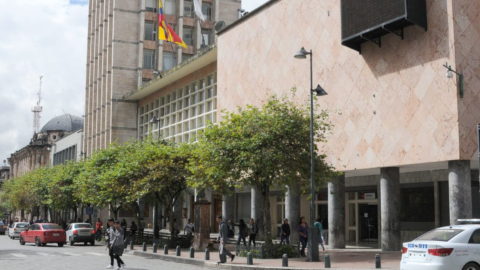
(207, 11)
(148, 59)
(169, 7)
(149, 31)
(168, 61)
(188, 9)
(151, 5)
(188, 36)
(417, 204)
(207, 37)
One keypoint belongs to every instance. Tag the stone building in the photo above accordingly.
(124, 53)
(4, 174)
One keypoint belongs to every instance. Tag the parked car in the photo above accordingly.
(445, 248)
(17, 228)
(80, 232)
(3, 228)
(43, 233)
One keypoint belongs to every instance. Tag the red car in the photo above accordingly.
(43, 233)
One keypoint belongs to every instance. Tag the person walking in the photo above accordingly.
(253, 232)
(109, 234)
(303, 235)
(231, 229)
(325, 230)
(223, 240)
(243, 232)
(124, 225)
(98, 230)
(320, 231)
(133, 230)
(117, 245)
(285, 232)
(189, 228)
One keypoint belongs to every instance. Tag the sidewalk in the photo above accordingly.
(339, 259)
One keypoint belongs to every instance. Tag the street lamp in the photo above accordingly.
(155, 120)
(313, 232)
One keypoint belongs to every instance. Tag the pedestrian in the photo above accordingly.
(325, 230)
(320, 229)
(98, 230)
(133, 229)
(253, 232)
(117, 246)
(285, 232)
(189, 228)
(109, 234)
(124, 225)
(176, 228)
(223, 240)
(243, 232)
(231, 229)
(303, 235)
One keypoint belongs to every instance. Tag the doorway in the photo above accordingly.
(368, 222)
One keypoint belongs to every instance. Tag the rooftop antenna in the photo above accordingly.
(37, 110)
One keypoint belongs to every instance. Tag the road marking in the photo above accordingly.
(18, 255)
(44, 254)
(96, 254)
(70, 254)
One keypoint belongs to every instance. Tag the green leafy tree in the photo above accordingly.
(263, 147)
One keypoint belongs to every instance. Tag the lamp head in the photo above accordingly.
(320, 91)
(154, 120)
(302, 54)
(449, 74)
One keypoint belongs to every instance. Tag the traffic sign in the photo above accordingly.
(89, 211)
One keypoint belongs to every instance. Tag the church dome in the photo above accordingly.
(66, 122)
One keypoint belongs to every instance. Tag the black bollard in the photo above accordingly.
(144, 246)
(178, 250)
(207, 254)
(165, 249)
(249, 258)
(131, 245)
(378, 263)
(192, 252)
(327, 261)
(285, 260)
(154, 247)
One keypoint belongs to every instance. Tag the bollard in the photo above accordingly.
(144, 246)
(192, 252)
(327, 261)
(207, 254)
(125, 244)
(131, 245)
(165, 249)
(378, 263)
(154, 247)
(285, 260)
(249, 259)
(178, 250)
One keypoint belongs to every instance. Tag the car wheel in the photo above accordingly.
(92, 243)
(44, 244)
(71, 241)
(21, 241)
(84, 243)
(471, 266)
(60, 244)
(37, 242)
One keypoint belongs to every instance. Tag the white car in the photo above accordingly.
(80, 232)
(455, 247)
(17, 228)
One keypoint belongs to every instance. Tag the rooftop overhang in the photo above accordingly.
(196, 62)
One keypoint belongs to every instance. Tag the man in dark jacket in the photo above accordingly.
(223, 239)
(285, 232)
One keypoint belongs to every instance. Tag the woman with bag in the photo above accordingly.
(117, 245)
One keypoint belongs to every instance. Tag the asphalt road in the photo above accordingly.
(13, 256)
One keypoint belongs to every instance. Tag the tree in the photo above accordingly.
(266, 147)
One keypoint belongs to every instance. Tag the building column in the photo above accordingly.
(460, 190)
(141, 37)
(228, 205)
(292, 212)
(256, 210)
(390, 210)
(336, 212)
(177, 212)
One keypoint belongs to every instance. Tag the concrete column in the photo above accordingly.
(141, 37)
(256, 210)
(292, 212)
(460, 190)
(177, 212)
(336, 212)
(390, 208)
(228, 205)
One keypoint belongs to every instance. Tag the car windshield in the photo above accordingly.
(1, 223)
(82, 225)
(51, 227)
(22, 225)
(443, 235)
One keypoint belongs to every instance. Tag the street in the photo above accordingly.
(51, 257)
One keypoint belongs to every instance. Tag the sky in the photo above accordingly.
(47, 38)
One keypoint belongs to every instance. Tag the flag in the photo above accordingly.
(165, 31)
(198, 10)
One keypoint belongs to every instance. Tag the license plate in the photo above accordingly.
(56, 234)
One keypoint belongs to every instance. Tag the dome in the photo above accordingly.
(64, 122)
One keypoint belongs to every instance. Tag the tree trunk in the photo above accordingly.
(267, 221)
(171, 222)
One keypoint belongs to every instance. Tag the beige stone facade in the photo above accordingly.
(124, 54)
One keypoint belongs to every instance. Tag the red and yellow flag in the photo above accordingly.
(165, 31)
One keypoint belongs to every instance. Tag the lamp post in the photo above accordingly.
(155, 120)
(313, 232)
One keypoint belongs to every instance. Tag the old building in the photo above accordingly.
(4, 174)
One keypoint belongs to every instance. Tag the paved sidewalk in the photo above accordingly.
(340, 259)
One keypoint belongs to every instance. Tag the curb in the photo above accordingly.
(212, 264)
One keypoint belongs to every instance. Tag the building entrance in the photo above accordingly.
(368, 222)
(361, 211)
